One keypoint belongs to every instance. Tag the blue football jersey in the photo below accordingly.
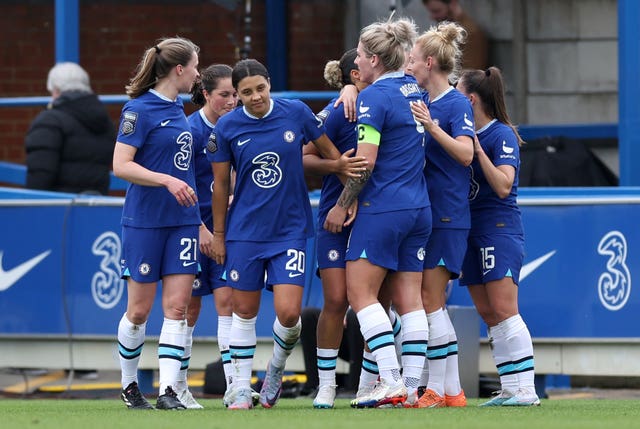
(343, 135)
(270, 201)
(397, 181)
(201, 129)
(158, 128)
(490, 213)
(447, 179)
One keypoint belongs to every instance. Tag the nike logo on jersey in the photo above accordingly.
(533, 265)
(188, 264)
(484, 273)
(292, 275)
(11, 277)
(163, 123)
(241, 142)
(362, 108)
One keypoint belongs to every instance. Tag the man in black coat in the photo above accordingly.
(70, 144)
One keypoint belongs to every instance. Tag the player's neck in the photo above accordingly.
(167, 89)
(480, 119)
(435, 89)
(211, 115)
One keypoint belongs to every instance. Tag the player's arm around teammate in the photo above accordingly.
(448, 119)
(392, 201)
(331, 247)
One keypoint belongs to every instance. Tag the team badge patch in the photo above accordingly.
(234, 275)
(129, 123)
(289, 136)
(197, 284)
(144, 269)
(322, 116)
(333, 255)
(212, 145)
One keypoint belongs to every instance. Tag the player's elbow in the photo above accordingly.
(466, 160)
(503, 192)
(118, 170)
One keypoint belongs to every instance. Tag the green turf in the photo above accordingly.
(298, 413)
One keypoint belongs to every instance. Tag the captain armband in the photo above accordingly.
(368, 134)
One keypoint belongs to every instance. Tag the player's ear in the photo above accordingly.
(354, 75)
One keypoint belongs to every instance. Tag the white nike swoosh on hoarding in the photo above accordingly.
(533, 265)
(11, 277)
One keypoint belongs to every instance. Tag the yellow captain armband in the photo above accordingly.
(368, 134)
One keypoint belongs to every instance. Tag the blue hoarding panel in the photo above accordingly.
(577, 275)
(30, 258)
(60, 268)
(96, 294)
(584, 287)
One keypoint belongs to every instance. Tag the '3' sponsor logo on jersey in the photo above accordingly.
(182, 158)
(268, 174)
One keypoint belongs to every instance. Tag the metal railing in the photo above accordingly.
(15, 174)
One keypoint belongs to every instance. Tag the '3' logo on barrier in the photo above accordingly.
(106, 284)
(614, 285)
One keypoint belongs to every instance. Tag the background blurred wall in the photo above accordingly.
(568, 64)
(559, 57)
(115, 33)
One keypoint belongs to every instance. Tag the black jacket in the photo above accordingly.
(70, 146)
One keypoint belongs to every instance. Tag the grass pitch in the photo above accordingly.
(298, 413)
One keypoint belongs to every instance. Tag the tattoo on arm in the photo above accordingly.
(352, 189)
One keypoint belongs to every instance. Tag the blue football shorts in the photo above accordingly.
(331, 248)
(283, 262)
(148, 254)
(210, 277)
(446, 248)
(393, 240)
(492, 257)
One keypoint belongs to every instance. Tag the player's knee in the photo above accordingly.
(334, 306)
(289, 317)
(137, 316)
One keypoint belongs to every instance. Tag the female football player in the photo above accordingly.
(160, 218)
(496, 241)
(393, 221)
(264, 231)
(448, 119)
